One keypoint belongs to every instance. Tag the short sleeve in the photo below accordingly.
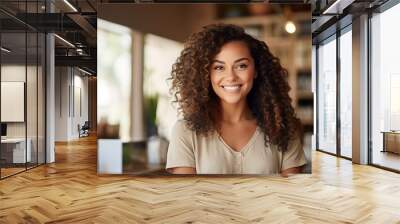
(294, 155)
(181, 148)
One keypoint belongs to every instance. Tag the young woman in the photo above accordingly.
(237, 114)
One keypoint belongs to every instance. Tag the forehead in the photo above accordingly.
(233, 50)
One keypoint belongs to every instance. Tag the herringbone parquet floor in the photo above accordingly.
(69, 191)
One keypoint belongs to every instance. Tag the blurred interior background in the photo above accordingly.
(138, 45)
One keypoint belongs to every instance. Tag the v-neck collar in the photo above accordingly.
(245, 148)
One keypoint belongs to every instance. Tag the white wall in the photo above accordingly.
(62, 81)
(12, 73)
(70, 84)
(33, 127)
(79, 117)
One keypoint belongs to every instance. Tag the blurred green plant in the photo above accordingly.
(126, 154)
(150, 102)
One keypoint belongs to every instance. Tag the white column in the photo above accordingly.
(137, 118)
(360, 90)
(50, 99)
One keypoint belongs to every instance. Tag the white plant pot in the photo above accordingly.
(156, 150)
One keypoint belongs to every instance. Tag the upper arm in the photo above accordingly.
(181, 149)
(293, 158)
(293, 170)
(182, 170)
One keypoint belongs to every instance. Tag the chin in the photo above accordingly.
(231, 99)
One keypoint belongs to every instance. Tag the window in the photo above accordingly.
(327, 95)
(385, 88)
(114, 79)
(346, 93)
(161, 113)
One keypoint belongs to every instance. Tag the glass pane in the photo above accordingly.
(345, 94)
(327, 96)
(13, 87)
(386, 89)
(31, 98)
(41, 99)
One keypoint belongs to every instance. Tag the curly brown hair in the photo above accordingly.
(268, 99)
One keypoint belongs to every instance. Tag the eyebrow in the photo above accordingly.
(240, 59)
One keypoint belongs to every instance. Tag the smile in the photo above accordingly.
(231, 88)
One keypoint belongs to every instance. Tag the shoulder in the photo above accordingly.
(181, 130)
(294, 155)
(181, 126)
(295, 143)
(181, 149)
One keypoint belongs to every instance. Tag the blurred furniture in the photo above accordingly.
(145, 157)
(84, 130)
(391, 141)
(109, 156)
(157, 150)
(107, 131)
(13, 150)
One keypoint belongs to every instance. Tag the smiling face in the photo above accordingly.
(232, 72)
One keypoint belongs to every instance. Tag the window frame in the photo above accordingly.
(378, 10)
(346, 26)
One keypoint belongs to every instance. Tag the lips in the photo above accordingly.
(231, 88)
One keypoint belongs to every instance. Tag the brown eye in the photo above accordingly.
(218, 67)
(242, 66)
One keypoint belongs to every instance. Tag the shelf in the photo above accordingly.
(305, 95)
(307, 123)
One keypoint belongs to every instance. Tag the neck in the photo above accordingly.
(234, 113)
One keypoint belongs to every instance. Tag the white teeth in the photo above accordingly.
(231, 88)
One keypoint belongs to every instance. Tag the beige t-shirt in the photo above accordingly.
(211, 155)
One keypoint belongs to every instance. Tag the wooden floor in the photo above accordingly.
(10, 171)
(388, 159)
(69, 191)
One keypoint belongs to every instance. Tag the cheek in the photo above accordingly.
(249, 85)
(214, 81)
(248, 77)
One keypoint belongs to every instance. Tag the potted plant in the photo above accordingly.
(151, 114)
(155, 143)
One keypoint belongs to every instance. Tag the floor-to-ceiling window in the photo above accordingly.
(326, 71)
(385, 88)
(345, 59)
(334, 93)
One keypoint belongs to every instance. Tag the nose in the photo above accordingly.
(231, 74)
